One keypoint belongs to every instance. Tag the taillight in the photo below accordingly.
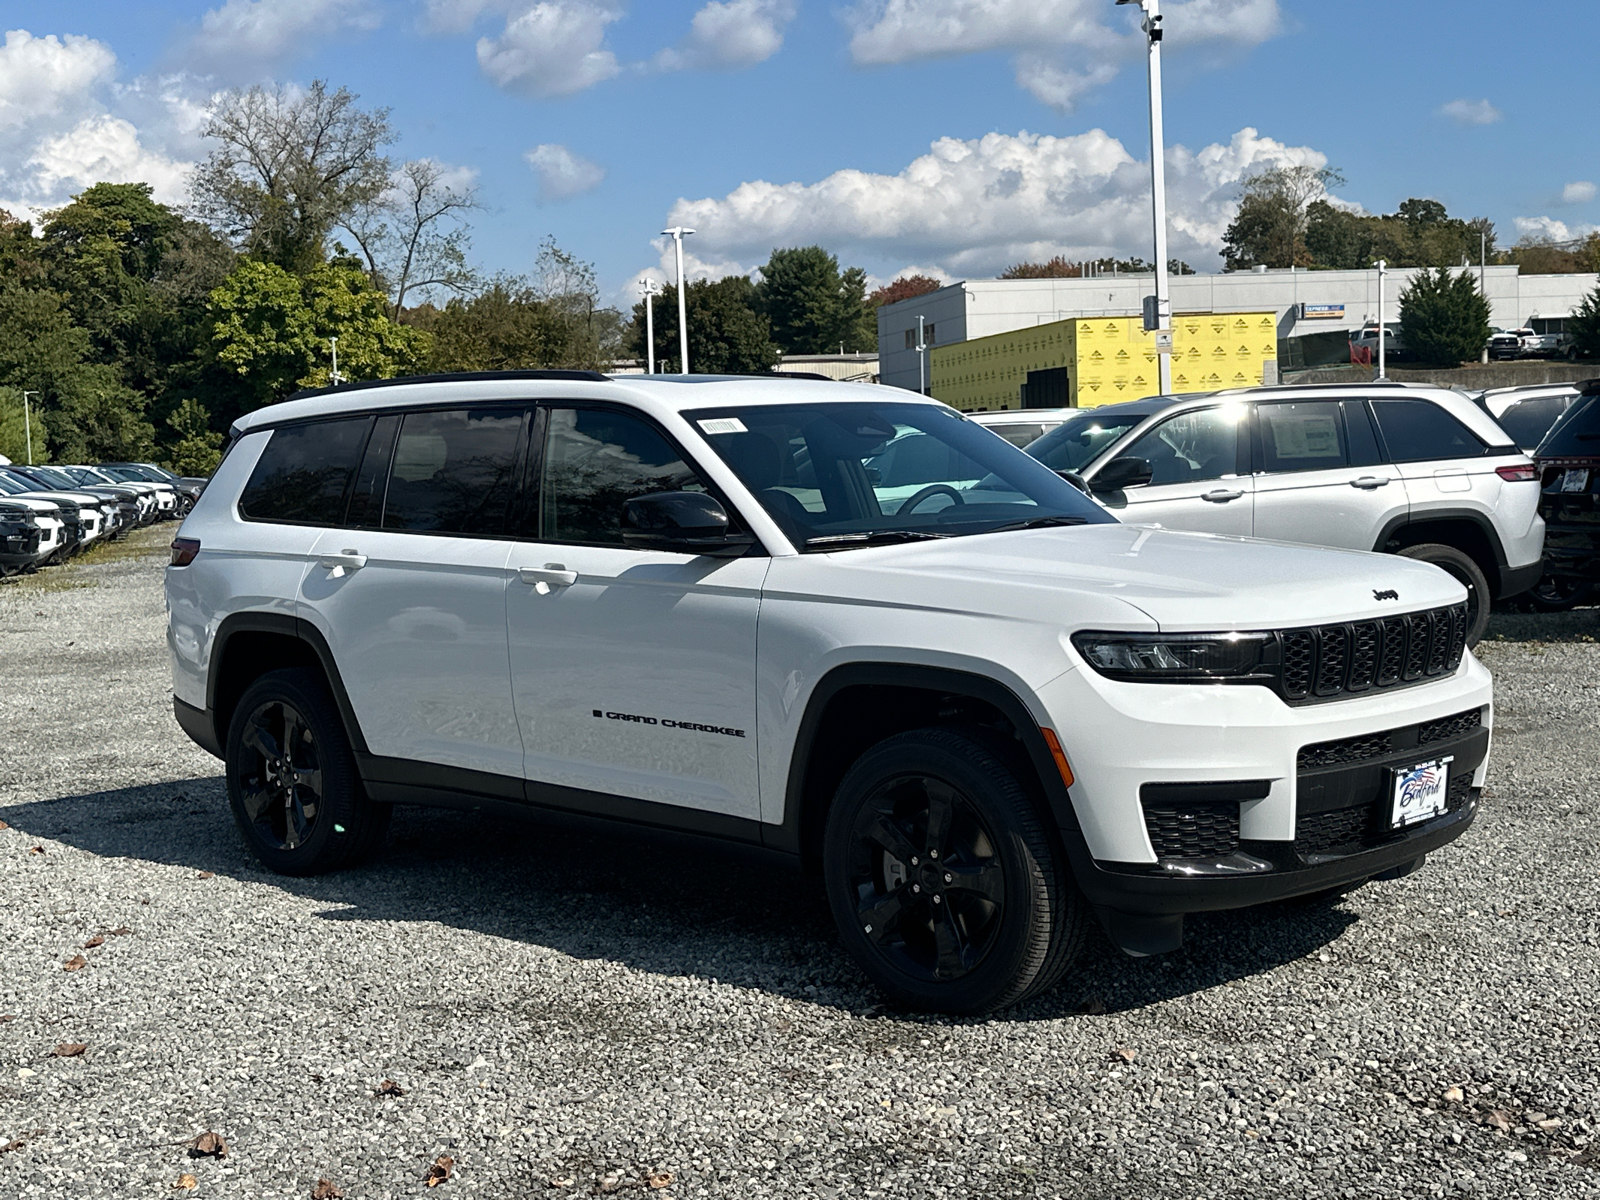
(1523, 474)
(184, 551)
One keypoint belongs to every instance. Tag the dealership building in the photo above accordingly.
(1036, 338)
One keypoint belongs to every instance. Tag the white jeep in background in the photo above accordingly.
(986, 711)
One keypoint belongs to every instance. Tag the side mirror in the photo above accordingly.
(1120, 473)
(683, 522)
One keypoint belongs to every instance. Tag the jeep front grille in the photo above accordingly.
(1332, 661)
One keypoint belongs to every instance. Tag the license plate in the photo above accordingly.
(1420, 792)
(1576, 480)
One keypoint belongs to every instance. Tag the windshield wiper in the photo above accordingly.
(1038, 523)
(877, 537)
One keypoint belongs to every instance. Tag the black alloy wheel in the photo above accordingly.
(1559, 593)
(292, 780)
(944, 881)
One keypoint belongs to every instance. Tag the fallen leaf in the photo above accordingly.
(3, 825)
(440, 1171)
(8, 1017)
(327, 1190)
(207, 1143)
(70, 1049)
(76, 963)
(37, 850)
(1500, 1120)
(1126, 1055)
(660, 1179)
(561, 1183)
(93, 942)
(1454, 1095)
(390, 1088)
(206, 875)
(186, 1183)
(118, 932)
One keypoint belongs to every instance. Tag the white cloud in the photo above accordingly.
(1471, 112)
(1065, 47)
(552, 48)
(247, 39)
(730, 33)
(457, 16)
(972, 207)
(105, 149)
(562, 174)
(42, 77)
(1579, 192)
(1548, 229)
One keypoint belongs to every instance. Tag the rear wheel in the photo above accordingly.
(1557, 594)
(292, 779)
(946, 888)
(1468, 573)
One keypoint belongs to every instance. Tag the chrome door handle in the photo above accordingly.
(548, 576)
(1221, 496)
(1368, 482)
(342, 563)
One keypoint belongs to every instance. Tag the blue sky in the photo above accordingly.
(951, 136)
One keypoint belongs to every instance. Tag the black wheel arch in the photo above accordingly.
(1470, 532)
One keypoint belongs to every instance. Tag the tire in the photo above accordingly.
(324, 820)
(1553, 594)
(1468, 573)
(992, 918)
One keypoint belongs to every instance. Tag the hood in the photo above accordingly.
(1181, 581)
(36, 505)
(75, 500)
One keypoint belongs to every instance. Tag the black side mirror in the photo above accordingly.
(684, 522)
(1119, 473)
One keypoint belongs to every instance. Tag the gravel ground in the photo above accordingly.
(564, 1014)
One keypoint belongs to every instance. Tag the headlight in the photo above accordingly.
(1181, 657)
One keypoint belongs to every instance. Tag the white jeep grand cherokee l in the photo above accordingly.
(985, 712)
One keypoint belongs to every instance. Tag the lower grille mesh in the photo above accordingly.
(1192, 830)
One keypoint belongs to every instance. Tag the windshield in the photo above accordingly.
(58, 478)
(832, 475)
(12, 486)
(1076, 442)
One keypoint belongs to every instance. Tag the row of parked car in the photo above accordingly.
(50, 513)
(1437, 474)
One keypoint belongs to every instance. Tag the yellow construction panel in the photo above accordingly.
(1108, 359)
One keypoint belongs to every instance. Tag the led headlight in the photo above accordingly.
(1181, 657)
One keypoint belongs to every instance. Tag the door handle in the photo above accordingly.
(1368, 482)
(548, 576)
(343, 563)
(1221, 496)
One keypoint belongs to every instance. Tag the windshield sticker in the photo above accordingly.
(722, 425)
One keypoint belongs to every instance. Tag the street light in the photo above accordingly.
(334, 377)
(650, 326)
(678, 233)
(1162, 315)
(1383, 273)
(27, 424)
(922, 359)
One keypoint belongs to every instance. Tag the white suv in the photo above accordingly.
(985, 710)
(1412, 470)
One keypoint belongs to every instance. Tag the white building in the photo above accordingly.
(1307, 302)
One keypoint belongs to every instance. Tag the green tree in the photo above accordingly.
(813, 307)
(197, 448)
(1271, 225)
(505, 327)
(16, 426)
(727, 336)
(1444, 318)
(1584, 325)
(270, 330)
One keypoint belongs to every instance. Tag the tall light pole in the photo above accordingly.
(1383, 330)
(922, 359)
(650, 326)
(678, 233)
(1160, 321)
(333, 376)
(27, 424)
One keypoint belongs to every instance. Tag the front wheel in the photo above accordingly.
(942, 878)
(292, 778)
(1468, 573)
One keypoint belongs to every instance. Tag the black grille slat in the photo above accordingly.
(1449, 727)
(1192, 830)
(1332, 658)
(1363, 656)
(1392, 664)
(1329, 661)
(1342, 831)
(1299, 655)
(1420, 634)
(1367, 746)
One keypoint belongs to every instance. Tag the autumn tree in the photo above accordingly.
(903, 288)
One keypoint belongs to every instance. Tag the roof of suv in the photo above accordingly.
(674, 392)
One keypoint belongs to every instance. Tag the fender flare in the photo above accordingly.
(1483, 524)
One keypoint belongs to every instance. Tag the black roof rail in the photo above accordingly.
(449, 377)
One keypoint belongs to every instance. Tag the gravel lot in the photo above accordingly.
(567, 1014)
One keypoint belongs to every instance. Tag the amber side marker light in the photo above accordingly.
(184, 550)
(1057, 753)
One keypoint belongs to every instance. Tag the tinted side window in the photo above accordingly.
(1192, 446)
(1364, 451)
(304, 472)
(1577, 433)
(366, 498)
(594, 461)
(1529, 421)
(455, 471)
(1421, 431)
(1302, 437)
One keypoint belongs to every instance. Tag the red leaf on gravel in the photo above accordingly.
(327, 1190)
(440, 1171)
(93, 942)
(206, 875)
(37, 850)
(390, 1088)
(70, 1049)
(207, 1143)
(76, 963)
(3, 825)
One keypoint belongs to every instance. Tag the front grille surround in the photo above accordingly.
(1330, 662)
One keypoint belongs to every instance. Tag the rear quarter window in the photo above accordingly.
(304, 473)
(1577, 433)
(1421, 431)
